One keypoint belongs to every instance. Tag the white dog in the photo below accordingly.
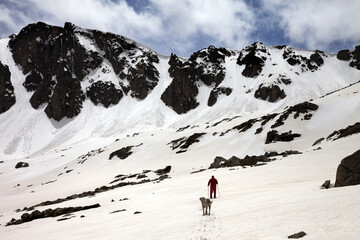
(206, 204)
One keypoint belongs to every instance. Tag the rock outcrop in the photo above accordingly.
(274, 136)
(22, 165)
(203, 66)
(353, 57)
(7, 96)
(56, 61)
(348, 172)
(253, 57)
(312, 64)
(270, 93)
(104, 93)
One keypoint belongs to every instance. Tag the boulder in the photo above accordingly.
(21, 165)
(348, 172)
(163, 171)
(297, 235)
(122, 153)
(326, 184)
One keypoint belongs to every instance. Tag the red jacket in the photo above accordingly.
(212, 182)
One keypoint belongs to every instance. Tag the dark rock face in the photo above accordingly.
(181, 94)
(270, 93)
(216, 92)
(67, 98)
(306, 64)
(53, 56)
(104, 93)
(205, 66)
(7, 96)
(301, 108)
(348, 172)
(274, 136)
(21, 165)
(56, 62)
(129, 62)
(356, 58)
(353, 57)
(253, 57)
(343, 55)
(122, 153)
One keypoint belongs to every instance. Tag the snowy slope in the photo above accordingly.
(265, 202)
(26, 131)
(270, 201)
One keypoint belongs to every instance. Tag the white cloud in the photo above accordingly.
(168, 24)
(317, 24)
(226, 22)
(184, 26)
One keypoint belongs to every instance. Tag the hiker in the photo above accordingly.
(212, 183)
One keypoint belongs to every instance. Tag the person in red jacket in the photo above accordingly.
(212, 183)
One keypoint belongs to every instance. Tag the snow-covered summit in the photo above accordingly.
(69, 83)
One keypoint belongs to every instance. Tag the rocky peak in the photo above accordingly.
(353, 57)
(204, 66)
(253, 57)
(56, 60)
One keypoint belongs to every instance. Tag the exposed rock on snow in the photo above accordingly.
(220, 162)
(306, 64)
(163, 171)
(318, 141)
(7, 96)
(27, 217)
(122, 153)
(326, 184)
(301, 108)
(350, 130)
(22, 165)
(205, 66)
(274, 136)
(343, 55)
(104, 93)
(53, 56)
(216, 92)
(58, 60)
(348, 172)
(67, 98)
(253, 57)
(271, 93)
(356, 58)
(185, 142)
(353, 57)
(297, 235)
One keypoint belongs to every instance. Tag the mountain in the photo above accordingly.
(91, 118)
(70, 83)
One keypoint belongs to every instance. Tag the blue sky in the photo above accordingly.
(185, 26)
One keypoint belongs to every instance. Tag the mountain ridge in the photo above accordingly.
(61, 74)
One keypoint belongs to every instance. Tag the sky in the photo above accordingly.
(185, 26)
